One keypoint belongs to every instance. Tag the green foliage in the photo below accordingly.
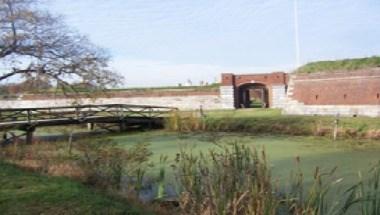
(366, 194)
(161, 178)
(22, 192)
(105, 164)
(185, 122)
(313, 199)
(256, 103)
(347, 64)
(270, 121)
(234, 181)
(237, 180)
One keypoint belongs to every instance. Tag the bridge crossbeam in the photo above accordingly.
(25, 118)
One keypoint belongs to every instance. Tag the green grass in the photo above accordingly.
(24, 192)
(349, 156)
(346, 64)
(241, 113)
(270, 121)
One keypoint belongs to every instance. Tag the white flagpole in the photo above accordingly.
(296, 33)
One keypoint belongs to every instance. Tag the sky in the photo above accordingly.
(167, 42)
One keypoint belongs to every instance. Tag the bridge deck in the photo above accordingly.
(24, 118)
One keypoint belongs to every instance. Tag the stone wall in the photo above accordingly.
(190, 102)
(134, 93)
(278, 97)
(227, 96)
(190, 98)
(341, 110)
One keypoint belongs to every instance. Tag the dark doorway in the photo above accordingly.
(253, 95)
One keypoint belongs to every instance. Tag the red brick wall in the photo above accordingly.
(273, 78)
(131, 93)
(228, 79)
(340, 88)
(268, 79)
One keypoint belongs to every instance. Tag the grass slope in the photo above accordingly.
(346, 64)
(24, 192)
(270, 121)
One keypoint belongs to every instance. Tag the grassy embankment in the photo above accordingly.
(23, 192)
(346, 64)
(271, 122)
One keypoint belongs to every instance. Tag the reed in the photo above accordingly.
(315, 199)
(364, 195)
(236, 180)
(185, 122)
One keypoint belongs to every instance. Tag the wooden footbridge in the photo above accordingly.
(122, 115)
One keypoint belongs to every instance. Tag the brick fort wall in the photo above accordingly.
(360, 87)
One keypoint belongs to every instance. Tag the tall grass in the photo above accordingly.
(264, 121)
(236, 180)
(365, 194)
(315, 199)
(185, 122)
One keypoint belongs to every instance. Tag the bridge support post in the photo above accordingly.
(29, 136)
(90, 126)
(122, 126)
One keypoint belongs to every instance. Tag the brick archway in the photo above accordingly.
(233, 90)
(252, 95)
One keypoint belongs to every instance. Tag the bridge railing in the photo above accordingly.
(81, 112)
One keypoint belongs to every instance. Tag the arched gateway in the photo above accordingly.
(254, 90)
(252, 95)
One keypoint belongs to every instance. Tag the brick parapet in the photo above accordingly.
(361, 87)
(129, 94)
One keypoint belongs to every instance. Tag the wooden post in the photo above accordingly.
(90, 126)
(77, 113)
(201, 112)
(29, 116)
(5, 137)
(336, 124)
(71, 142)
(122, 126)
(29, 136)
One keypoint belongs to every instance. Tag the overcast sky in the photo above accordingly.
(166, 42)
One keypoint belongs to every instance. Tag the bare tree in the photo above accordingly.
(34, 42)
